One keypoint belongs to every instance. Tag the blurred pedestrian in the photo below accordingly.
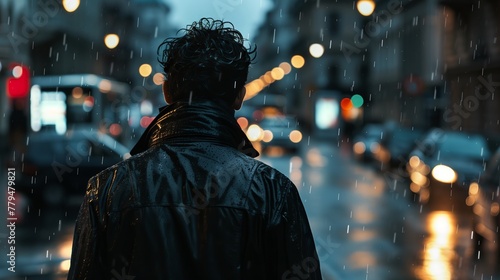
(192, 202)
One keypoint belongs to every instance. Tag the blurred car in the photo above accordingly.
(397, 145)
(444, 164)
(367, 145)
(55, 166)
(484, 197)
(280, 131)
(251, 114)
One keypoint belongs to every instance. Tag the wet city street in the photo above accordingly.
(365, 222)
(367, 226)
(383, 113)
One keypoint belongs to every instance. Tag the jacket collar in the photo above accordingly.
(197, 121)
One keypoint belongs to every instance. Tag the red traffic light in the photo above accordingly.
(346, 104)
(18, 84)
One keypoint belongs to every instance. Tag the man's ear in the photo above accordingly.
(166, 94)
(238, 101)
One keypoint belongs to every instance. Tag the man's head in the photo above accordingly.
(208, 62)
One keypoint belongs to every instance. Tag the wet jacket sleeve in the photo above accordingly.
(291, 245)
(86, 260)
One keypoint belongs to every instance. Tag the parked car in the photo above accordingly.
(484, 197)
(58, 165)
(397, 145)
(444, 164)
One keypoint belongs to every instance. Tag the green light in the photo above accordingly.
(357, 100)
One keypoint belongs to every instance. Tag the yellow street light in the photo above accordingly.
(444, 174)
(145, 70)
(277, 73)
(111, 41)
(70, 5)
(297, 61)
(365, 7)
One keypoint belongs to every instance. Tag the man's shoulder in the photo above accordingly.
(121, 167)
(258, 168)
(264, 170)
(269, 182)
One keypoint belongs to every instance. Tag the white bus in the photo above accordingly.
(73, 102)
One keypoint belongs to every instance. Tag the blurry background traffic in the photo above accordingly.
(397, 96)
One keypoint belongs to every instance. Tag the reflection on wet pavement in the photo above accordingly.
(439, 247)
(367, 226)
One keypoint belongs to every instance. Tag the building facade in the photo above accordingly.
(51, 39)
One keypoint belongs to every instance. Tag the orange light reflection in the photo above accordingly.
(439, 247)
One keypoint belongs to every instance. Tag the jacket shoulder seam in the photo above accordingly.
(249, 184)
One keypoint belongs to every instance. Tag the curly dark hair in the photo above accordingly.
(208, 61)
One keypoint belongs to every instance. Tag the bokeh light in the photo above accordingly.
(277, 73)
(297, 61)
(365, 7)
(111, 41)
(287, 68)
(346, 104)
(295, 136)
(70, 5)
(255, 133)
(158, 79)
(145, 70)
(357, 100)
(243, 122)
(17, 72)
(77, 92)
(316, 50)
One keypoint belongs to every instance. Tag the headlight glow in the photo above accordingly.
(255, 133)
(444, 174)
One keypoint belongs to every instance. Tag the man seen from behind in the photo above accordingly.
(192, 202)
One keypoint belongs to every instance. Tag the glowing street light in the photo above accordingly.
(111, 41)
(297, 61)
(316, 50)
(277, 73)
(145, 70)
(365, 7)
(70, 5)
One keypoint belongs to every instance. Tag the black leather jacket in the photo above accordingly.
(193, 204)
